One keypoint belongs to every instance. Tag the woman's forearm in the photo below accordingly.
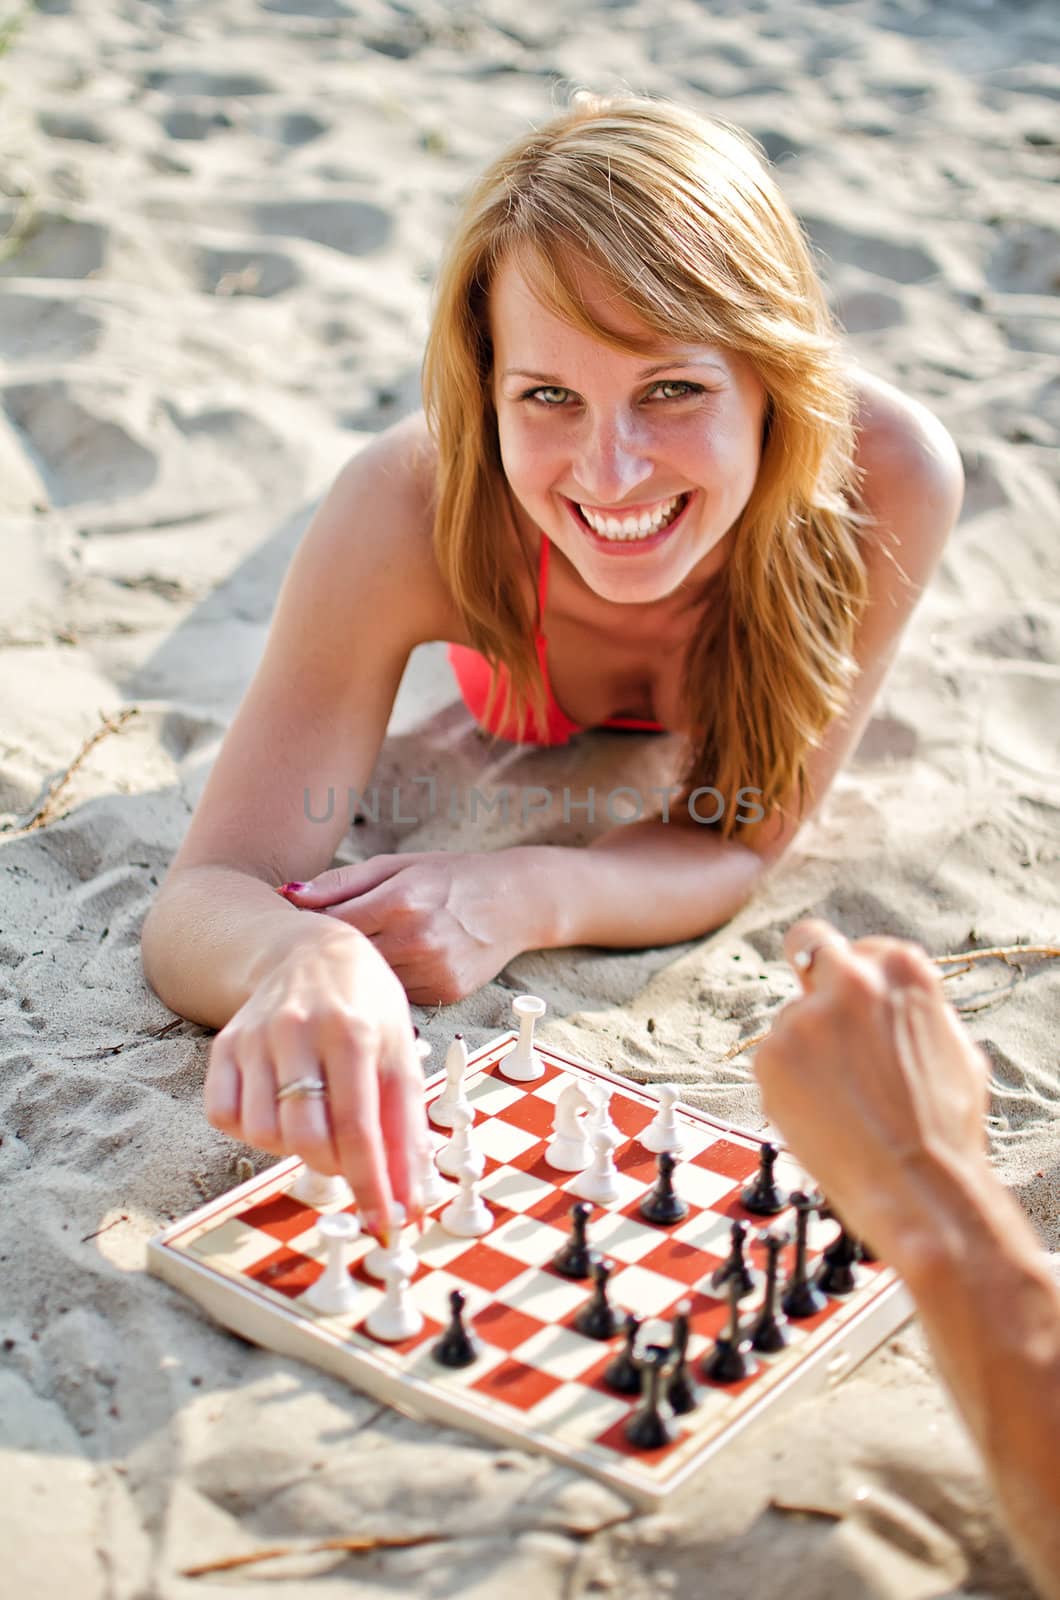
(991, 1311)
(650, 883)
(214, 932)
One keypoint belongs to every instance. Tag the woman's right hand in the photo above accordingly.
(330, 1009)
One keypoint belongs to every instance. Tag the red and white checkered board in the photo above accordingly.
(249, 1256)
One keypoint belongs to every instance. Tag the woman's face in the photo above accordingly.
(635, 465)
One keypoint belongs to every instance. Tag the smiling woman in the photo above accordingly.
(632, 358)
(647, 491)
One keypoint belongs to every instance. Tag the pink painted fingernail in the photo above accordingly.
(291, 888)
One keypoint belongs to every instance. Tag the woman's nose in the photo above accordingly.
(612, 462)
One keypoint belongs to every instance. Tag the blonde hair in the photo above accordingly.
(678, 212)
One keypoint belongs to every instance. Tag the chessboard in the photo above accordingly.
(251, 1259)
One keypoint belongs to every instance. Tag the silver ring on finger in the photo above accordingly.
(309, 1088)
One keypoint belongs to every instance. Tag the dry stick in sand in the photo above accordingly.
(363, 1543)
(1001, 952)
(49, 805)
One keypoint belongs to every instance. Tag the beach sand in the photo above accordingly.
(222, 224)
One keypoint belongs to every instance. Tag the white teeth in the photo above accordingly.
(641, 527)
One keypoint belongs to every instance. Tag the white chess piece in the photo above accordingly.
(395, 1317)
(468, 1216)
(382, 1257)
(600, 1181)
(600, 1116)
(433, 1187)
(664, 1131)
(320, 1189)
(335, 1293)
(441, 1110)
(524, 1064)
(460, 1152)
(568, 1149)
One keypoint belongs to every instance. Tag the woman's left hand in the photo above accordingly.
(446, 923)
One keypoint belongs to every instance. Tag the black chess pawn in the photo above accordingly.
(596, 1319)
(731, 1358)
(770, 1331)
(736, 1265)
(802, 1297)
(457, 1347)
(623, 1373)
(663, 1205)
(652, 1424)
(574, 1259)
(763, 1195)
(836, 1274)
(682, 1392)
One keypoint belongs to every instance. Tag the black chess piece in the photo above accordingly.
(731, 1358)
(574, 1259)
(457, 1347)
(596, 1319)
(623, 1374)
(652, 1424)
(736, 1265)
(802, 1297)
(867, 1252)
(770, 1331)
(836, 1274)
(663, 1205)
(764, 1196)
(682, 1392)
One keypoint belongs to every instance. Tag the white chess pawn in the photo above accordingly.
(335, 1293)
(468, 1216)
(433, 1187)
(382, 1257)
(524, 1064)
(320, 1189)
(664, 1131)
(600, 1181)
(452, 1096)
(600, 1116)
(568, 1149)
(395, 1317)
(460, 1152)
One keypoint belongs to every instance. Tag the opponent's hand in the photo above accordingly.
(330, 1010)
(445, 922)
(870, 1076)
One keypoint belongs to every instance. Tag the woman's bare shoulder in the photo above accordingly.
(383, 502)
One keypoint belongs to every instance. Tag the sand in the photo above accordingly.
(222, 222)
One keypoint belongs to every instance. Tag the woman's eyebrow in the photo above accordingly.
(647, 372)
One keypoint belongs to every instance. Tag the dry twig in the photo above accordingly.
(48, 808)
(1001, 952)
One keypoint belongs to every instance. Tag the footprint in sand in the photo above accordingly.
(290, 128)
(352, 226)
(33, 327)
(211, 85)
(870, 311)
(885, 258)
(325, 10)
(1025, 260)
(983, 489)
(56, 247)
(81, 456)
(72, 125)
(255, 272)
(189, 122)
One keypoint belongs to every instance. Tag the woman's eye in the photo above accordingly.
(676, 384)
(550, 396)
